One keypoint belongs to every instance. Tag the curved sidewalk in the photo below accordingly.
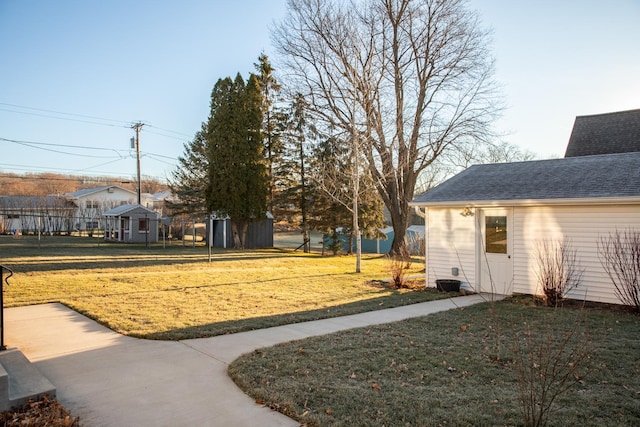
(112, 380)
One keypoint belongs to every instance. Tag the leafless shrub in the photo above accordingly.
(548, 360)
(398, 265)
(619, 254)
(557, 270)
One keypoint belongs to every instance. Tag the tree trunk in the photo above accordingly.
(238, 241)
(400, 222)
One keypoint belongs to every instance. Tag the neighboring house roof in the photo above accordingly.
(89, 191)
(129, 208)
(605, 134)
(578, 178)
(162, 196)
(41, 202)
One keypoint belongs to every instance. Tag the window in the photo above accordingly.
(92, 204)
(13, 216)
(496, 234)
(143, 225)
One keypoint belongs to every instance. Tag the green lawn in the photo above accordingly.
(455, 368)
(173, 292)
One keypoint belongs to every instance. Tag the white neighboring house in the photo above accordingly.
(156, 201)
(484, 225)
(92, 203)
(28, 214)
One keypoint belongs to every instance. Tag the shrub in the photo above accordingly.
(548, 360)
(557, 270)
(398, 264)
(620, 257)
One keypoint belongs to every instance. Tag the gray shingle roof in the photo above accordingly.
(43, 202)
(605, 134)
(124, 209)
(611, 175)
(92, 190)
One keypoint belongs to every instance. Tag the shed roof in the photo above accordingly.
(583, 177)
(128, 209)
(608, 133)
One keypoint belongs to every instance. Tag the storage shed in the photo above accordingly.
(259, 233)
(484, 225)
(131, 223)
(488, 221)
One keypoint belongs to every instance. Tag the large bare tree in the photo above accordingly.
(413, 76)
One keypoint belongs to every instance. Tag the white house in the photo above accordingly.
(28, 214)
(484, 225)
(93, 202)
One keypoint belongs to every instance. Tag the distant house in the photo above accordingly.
(28, 214)
(91, 203)
(157, 201)
(485, 224)
(131, 223)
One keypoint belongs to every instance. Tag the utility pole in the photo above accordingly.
(137, 127)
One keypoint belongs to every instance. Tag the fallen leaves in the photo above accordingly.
(44, 412)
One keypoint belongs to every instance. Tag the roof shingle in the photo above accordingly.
(611, 175)
(608, 133)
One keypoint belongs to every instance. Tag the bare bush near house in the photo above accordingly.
(549, 359)
(557, 270)
(398, 264)
(619, 254)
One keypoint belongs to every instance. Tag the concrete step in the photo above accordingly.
(20, 380)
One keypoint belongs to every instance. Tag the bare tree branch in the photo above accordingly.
(414, 78)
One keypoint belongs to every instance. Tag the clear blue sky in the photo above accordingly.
(156, 61)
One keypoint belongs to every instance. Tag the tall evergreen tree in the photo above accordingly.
(272, 122)
(238, 182)
(291, 178)
(188, 182)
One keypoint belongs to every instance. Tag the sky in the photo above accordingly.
(75, 75)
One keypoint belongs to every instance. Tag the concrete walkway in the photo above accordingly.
(111, 380)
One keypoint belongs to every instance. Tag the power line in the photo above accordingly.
(60, 112)
(63, 118)
(153, 156)
(123, 123)
(166, 136)
(34, 144)
(169, 130)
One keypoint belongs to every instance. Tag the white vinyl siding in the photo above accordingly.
(450, 243)
(582, 226)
